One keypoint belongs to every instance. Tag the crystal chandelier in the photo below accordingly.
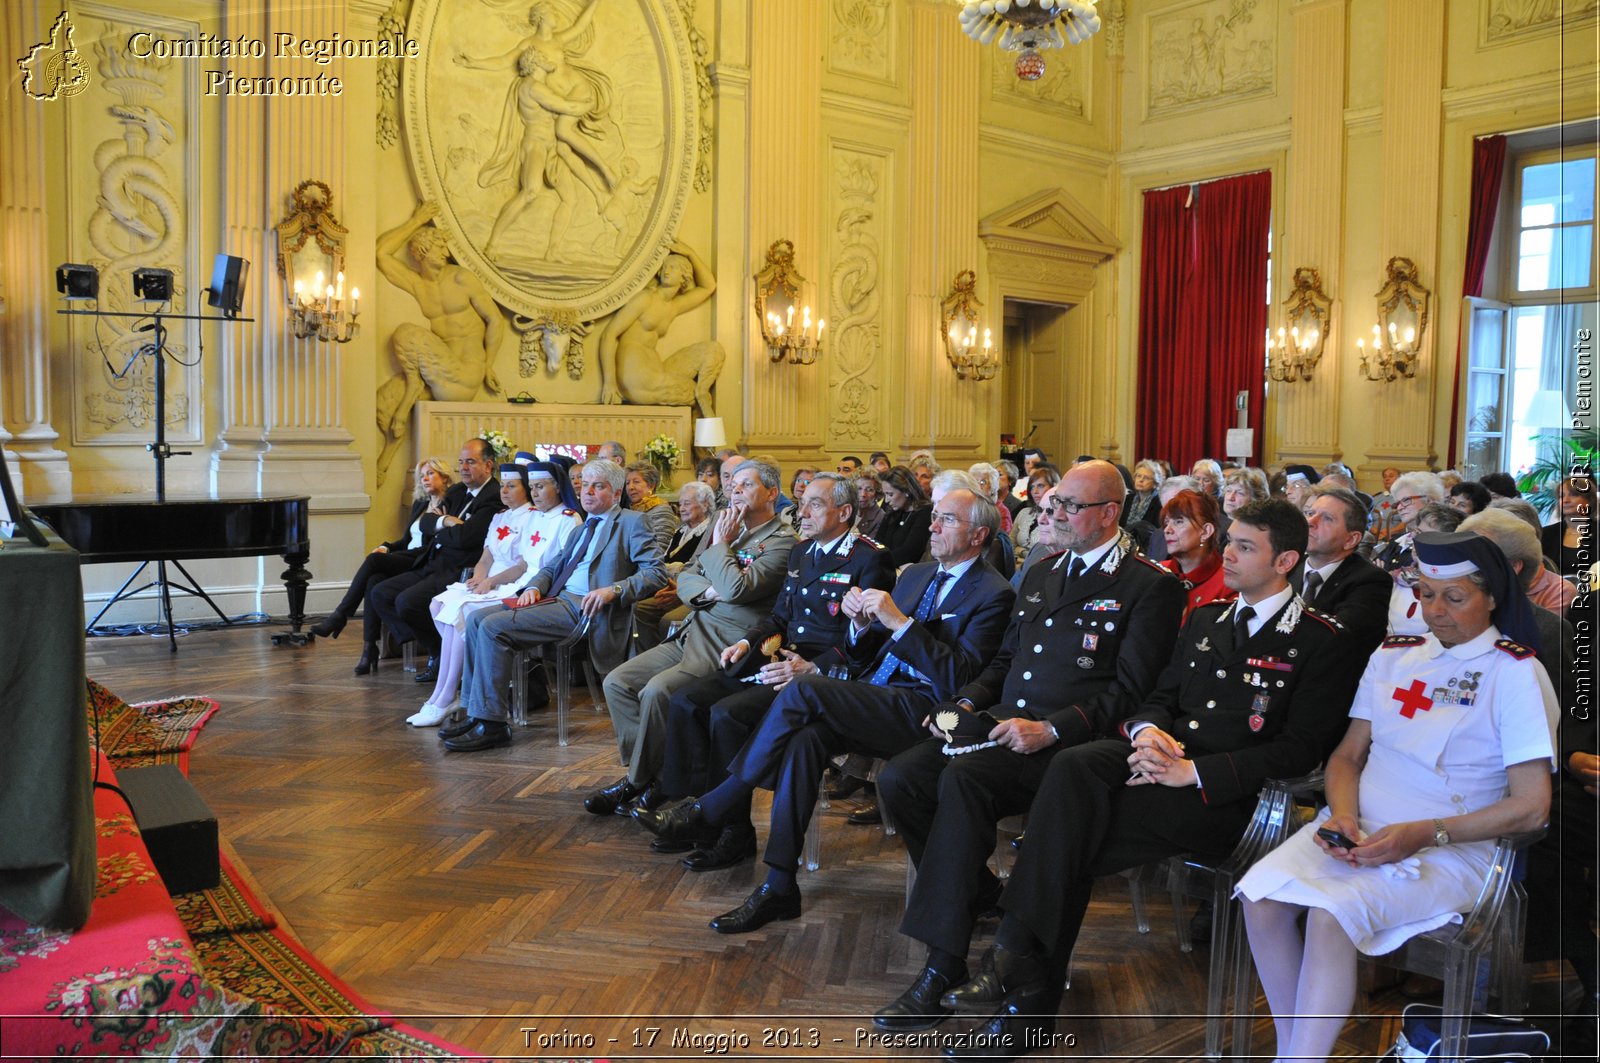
(1028, 27)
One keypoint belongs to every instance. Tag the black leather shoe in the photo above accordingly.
(918, 1008)
(979, 993)
(329, 627)
(865, 816)
(847, 785)
(986, 905)
(429, 673)
(369, 659)
(682, 822)
(484, 734)
(611, 799)
(649, 799)
(458, 728)
(675, 845)
(735, 845)
(764, 906)
(1009, 1033)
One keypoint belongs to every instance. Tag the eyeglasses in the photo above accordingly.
(1406, 501)
(945, 520)
(1071, 507)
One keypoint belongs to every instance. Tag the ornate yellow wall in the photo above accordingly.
(889, 148)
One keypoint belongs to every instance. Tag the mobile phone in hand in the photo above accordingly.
(1335, 838)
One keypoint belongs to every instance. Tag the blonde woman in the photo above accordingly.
(433, 478)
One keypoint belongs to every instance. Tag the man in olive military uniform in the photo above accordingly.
(709, 720)
(1088, 637)
(1258, 688)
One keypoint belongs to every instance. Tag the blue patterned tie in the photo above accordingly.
(892, 664)
(574, 559)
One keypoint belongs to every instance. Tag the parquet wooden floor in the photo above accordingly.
(473, 895)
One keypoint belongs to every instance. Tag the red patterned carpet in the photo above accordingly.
(210, 973)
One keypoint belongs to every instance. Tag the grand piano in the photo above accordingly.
(122, 528)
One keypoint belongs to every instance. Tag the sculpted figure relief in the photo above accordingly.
(631, 368)
(568, 141)
(452, 358)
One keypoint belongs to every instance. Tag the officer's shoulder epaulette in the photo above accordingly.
(1157, 566)
(1516, 649)
(1215, 608)
(875, 544)
(1327, 618)
(1400, 642)
(569, 513)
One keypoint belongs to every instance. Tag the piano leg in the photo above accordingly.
(295, 580)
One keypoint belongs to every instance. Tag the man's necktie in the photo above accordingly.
(1075, 569)
(1241, 625)
(1313, 584)
(923, 612)
(576, 557)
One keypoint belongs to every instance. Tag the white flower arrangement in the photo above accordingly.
(663, 452)
(504, 446)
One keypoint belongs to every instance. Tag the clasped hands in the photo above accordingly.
(1158, 760)
(1386, 845)
(865, 606)
(778, 674)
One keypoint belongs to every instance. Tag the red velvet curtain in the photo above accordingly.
(1202, 315)
(1488, 168)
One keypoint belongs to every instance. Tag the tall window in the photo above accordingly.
(1521, 371)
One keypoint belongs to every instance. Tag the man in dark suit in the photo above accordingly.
(1090, 633)
(1337, 580)
(709, 720)
(917, 646)
(1258, 688)
(597, 576)
(470, 504)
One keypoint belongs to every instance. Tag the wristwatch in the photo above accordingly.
(1440, 835)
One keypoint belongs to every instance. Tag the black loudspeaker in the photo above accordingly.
(178, 828)
(77, 281)
(228, 274)
(152, 285)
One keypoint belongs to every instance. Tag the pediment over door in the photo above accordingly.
(1046, 247)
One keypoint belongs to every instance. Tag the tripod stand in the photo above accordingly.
(160, 450)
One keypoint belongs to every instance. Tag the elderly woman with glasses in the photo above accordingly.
(1409, 494)
(1451, 744)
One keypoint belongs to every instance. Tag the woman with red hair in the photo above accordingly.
(1190, 523)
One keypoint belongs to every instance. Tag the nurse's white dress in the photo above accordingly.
(1446, 723)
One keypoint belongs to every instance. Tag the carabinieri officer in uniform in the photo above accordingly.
(1258, 688)
(709, 720)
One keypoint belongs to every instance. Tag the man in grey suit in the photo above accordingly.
(728, 589)
(603, 569)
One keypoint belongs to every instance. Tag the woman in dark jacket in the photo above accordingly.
(391, 558)
(907, 517)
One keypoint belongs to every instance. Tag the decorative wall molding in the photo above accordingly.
(855, 292)
(1502, 22)
(136, 153)
(840, 103)
(1050, 241)
(1031, 145)
(1209, 52)
(1363, 121)
(1186, 155)
(861, 35)
(1574, 87)
(1063, 90)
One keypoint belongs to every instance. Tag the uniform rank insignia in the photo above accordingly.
(1516, 649)
(836, 577)
(1035, 598)
(1258, 711)
(833, 608)
(1104, 605)
(745, 558)
(1271, 663)
(1091, 642)
(1204, 645)
(1085, 662)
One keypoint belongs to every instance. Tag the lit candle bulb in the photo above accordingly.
(1411, 334)
(789, 319)
(805, 324)
(339, 287)
(987, 342)
(821, 324)
(355, 302)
